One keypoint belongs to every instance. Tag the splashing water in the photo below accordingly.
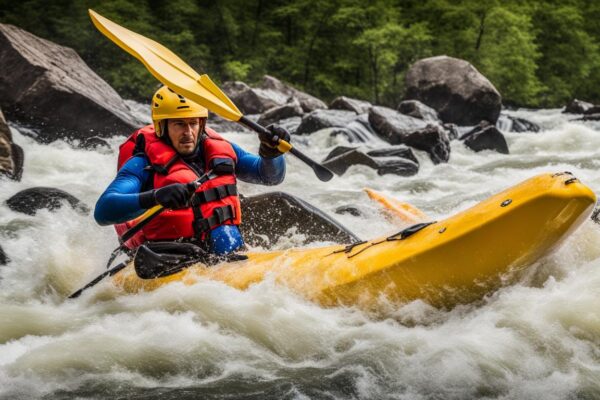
(539, 339)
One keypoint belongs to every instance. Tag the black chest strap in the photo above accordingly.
(219, 216)
(213, 194)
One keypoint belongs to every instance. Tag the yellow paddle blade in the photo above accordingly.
(168, 68)
(404, 212)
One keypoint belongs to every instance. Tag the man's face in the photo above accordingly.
(183, 133)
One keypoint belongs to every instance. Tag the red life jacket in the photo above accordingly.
(215, 203)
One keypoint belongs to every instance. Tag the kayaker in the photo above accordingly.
(157, 161)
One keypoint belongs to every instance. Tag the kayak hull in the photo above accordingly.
(456, 260)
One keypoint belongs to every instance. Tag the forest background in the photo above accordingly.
(537, 53)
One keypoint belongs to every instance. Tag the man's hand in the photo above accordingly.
(174, 196)
(268, 143)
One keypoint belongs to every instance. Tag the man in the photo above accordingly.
(158, 161)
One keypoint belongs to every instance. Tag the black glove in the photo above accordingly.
(176, 195)
(268, 143)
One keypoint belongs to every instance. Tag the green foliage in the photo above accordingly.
(535, 53)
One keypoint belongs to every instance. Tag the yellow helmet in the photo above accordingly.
(168, 104)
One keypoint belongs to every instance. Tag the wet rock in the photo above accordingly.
(272, 215)
(29, 201)
(455, 89)
(415, 108)
(577, 107)
(357, 131)
(451, 130)
(349, 104)
(221, 125)
(485, 137)
(253, 100)
(394, 151)
(3, 257)
(11, 155)
(290, 124)
(509, 123)
(320, 119)
(596, 215)
(341, 158)
(349, 210)
(307, 102)
(50, 88)
(392, 126)
(432, 139)
(93, 143)
(592, 110)
(275, 114)
(592, 117)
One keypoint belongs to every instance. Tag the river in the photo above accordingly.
(537, 339)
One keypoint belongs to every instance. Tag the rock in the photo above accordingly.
(577, 107)
(394, 151)
(93, 143)
(485, 137)
(592, 110)
(11, 155)
(290, 124)
(508, 123)
(349, 104)
(351, 210)
(341, 158)
(253, 101)
(434, 140)
(415, 108)
(221, 125)
(307, 102)
(592, 117)
(50, 88)
(271, 215)
(320, 119)
(596, 215)
(451, 130)
(392, 126)
(275, 114)
(3, 257)
(357, 131)
(455, 89)
(29, 201)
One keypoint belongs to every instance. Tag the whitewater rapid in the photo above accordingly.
(538, 339)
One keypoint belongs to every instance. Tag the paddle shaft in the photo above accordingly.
(103, 275)
(322, 173)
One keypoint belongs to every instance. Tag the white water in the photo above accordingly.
(539, 339)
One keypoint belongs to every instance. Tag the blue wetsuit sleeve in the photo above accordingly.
(253, 168)
(120, 201)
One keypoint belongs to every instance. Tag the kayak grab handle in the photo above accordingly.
(411, 230)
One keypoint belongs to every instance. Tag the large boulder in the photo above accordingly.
(485, 137)
(307, 102)
(400, 162)
(349, 104)
(455, 89)
(290, 124)
(253, 100)
(277, 113)
(577, 107)
(30, 201)
(320, 119)
(392, 126)
(415, 108)
(11, 155)
(50, 88)
(357, 131)
(276, 214)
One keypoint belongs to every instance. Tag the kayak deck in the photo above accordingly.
(455, 260)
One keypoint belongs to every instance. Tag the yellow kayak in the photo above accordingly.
(457, 260)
